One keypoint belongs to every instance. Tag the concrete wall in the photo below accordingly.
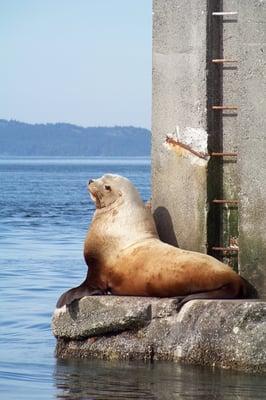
(252, 143)
(179, 179)
(230, 131)
(185, 86)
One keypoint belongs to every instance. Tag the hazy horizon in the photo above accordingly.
(84, 63)
(70, 123)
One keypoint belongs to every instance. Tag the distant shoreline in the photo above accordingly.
(18, 139)
(75, 157)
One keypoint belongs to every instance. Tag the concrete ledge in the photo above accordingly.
(226, 334)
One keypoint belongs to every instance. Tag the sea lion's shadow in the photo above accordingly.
(164, 225)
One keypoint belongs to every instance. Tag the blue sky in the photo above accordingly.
(86, 62)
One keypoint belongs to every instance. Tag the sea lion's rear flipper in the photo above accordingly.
(230, 291)
(76, 294)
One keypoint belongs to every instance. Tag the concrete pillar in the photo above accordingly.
(179, 176)
(252, 142)
(185, 87)
(230, 131)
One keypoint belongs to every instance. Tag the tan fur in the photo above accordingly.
(126, 257)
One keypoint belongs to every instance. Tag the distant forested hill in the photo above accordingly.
(21, 139)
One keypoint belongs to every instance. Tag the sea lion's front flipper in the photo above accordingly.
(76, 294)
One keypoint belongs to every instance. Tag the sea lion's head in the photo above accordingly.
(110, 190)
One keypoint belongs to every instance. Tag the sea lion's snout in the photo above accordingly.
(90, 185)
(92, 189)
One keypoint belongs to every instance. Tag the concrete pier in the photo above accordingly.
(145, 328)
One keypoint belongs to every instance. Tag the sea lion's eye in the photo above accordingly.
(107, 187)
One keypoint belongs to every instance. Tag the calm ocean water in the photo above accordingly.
(44, 214)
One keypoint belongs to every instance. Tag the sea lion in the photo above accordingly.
(126, 257)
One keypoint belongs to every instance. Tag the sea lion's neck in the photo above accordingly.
(123, 226)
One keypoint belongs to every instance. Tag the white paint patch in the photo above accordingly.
(196, 138)
(181, 152)
(60, 310)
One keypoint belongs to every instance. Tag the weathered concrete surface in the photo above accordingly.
(179, 199)
(98, 316)
(230, 75)
(227, 334)
(186, 84)
(252, 143)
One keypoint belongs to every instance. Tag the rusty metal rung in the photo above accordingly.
(175, 142)
(226, 154)
(225, 249)
(224, 201)
(224, 107)
(224, 13)
(223, 60)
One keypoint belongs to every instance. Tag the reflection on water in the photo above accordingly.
(44, 214)
(163, 381)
